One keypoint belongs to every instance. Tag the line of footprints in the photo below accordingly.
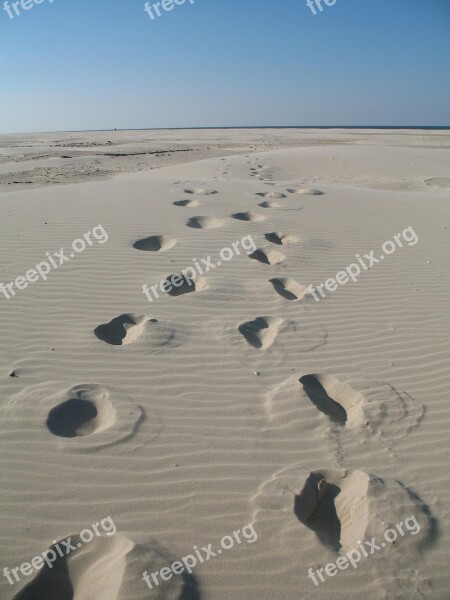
(341, 507)
(261, 332)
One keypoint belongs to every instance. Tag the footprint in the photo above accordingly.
(155, 243)
(248, 216)
(289, 288)
(178, 284)
(268, 256)
(188, 203)
(86, 412)
(204, 223)
(262, 172)
(305, 191)
(85, 417)
(262, 332)
(199, 191)
(315, 507)
(271, 195)
(441, 182)
(377, 411)
(109, 567)
(282, 239)
(344, 507)
(122, 330)
(268, 204)
(345, 402)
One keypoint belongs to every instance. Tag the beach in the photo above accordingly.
(237, 396)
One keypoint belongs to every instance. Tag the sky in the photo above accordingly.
(69, 65)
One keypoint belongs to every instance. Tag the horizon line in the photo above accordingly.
(418, 127)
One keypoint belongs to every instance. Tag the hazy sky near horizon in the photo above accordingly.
(104, 64)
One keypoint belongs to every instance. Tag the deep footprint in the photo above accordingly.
(178, 284)
(83, 414)
(281, 239)
(267, 256)
(123, 330)
(262, 332)
(289, 288)
(314, 507)
(155, 243)
(305, 191)
(200, 191)
(344, 507)
(248, 216)
(204, 223)
(106, 568)
(268, 204)
(319, 397)
(189, 203)
(271, 195)
(335, 399)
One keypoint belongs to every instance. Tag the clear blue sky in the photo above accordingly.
(101, 64)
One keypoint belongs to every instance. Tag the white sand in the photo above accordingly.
(187, 414)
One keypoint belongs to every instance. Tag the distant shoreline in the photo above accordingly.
(354, 127)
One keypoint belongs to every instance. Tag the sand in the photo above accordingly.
(235, 398)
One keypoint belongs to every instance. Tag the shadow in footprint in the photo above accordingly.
(262, 332)
(191, 588)
(177, 285)
(204, 223)
(315, 508)
(319, 397)
(114, 331)
(249, 216)
(155, 243)
(267, 256)
(289, 288)
(284, 292)
(273, 238)
(51, 584)
(251, 331)
(260, 256)
(185, 203)
(65, 419)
